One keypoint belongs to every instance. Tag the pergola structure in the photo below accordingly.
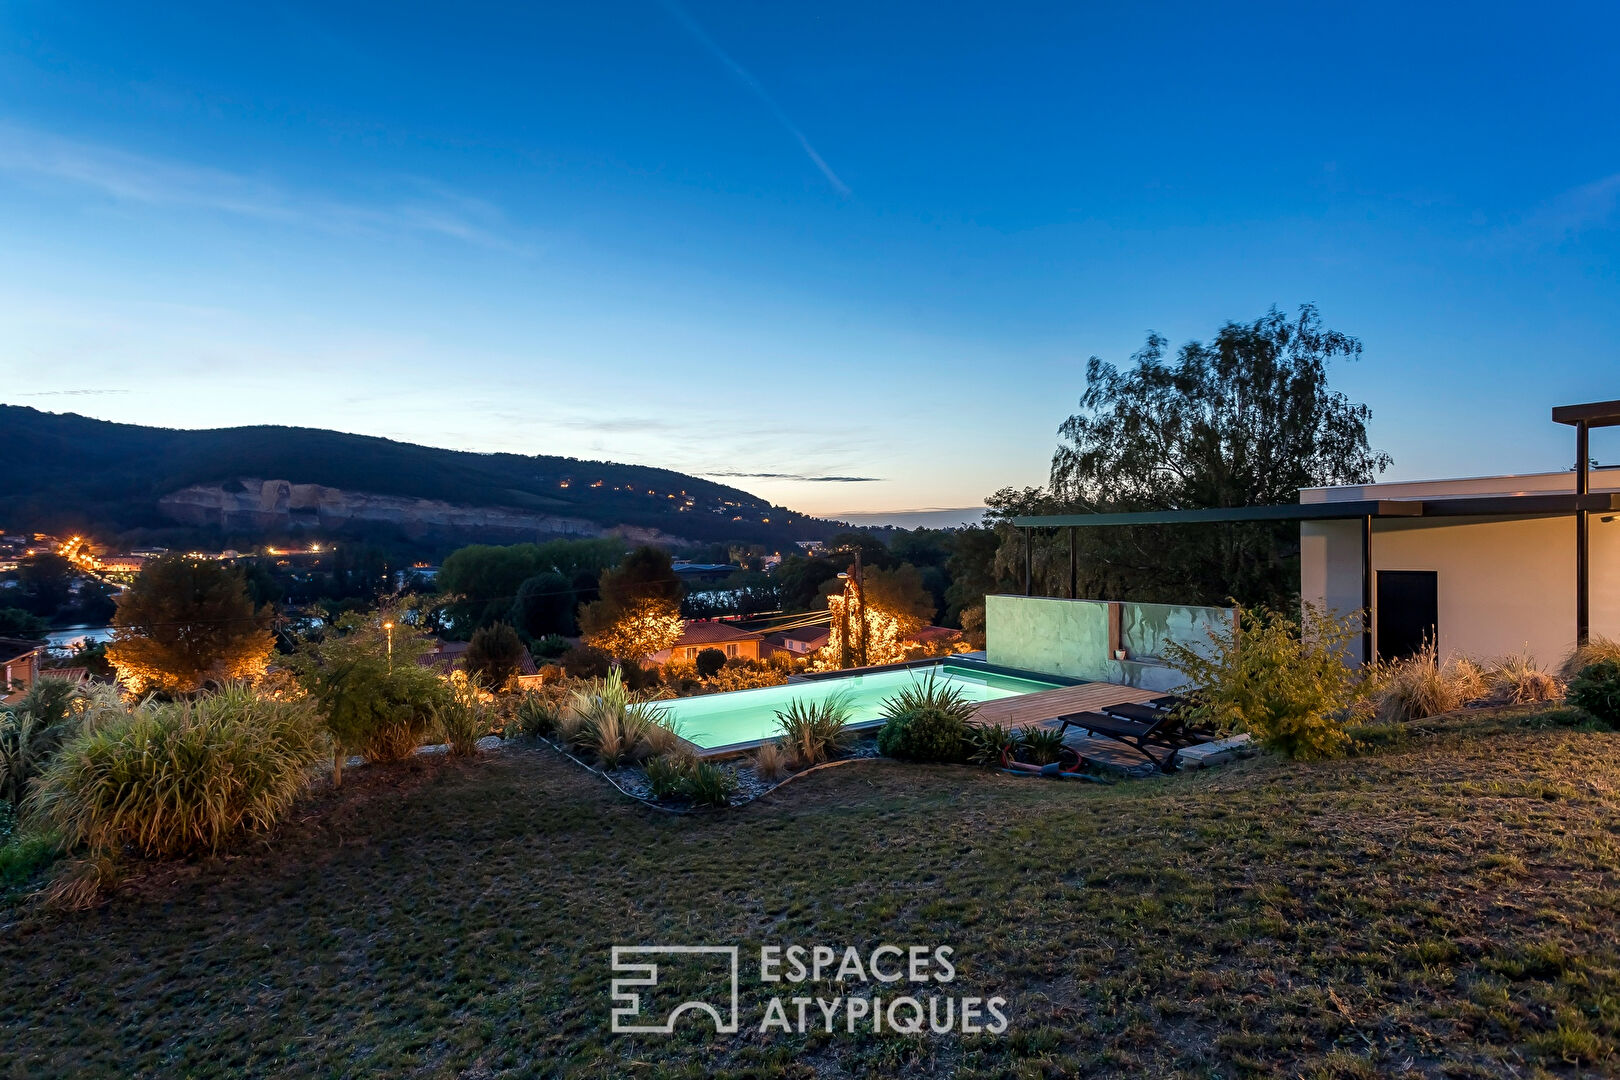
(1579, 503)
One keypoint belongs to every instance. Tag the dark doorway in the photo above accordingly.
(1408, 611)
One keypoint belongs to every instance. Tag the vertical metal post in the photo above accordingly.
(1029, 564)
(1583, 553)
(1366, 590)
(1074, 565)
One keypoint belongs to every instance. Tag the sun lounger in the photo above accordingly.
(1158, 738)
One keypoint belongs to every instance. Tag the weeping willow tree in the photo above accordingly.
(1245, 420)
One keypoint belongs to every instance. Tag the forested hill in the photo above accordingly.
(69, 472)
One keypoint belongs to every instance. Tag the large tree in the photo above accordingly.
(640, 609)
(185, 623)
(1245, 420)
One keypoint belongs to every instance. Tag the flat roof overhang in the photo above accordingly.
(1527, 505)
(1592, 414)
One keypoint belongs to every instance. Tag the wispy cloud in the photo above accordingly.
(797, 476)
(136, 178)
(744, 76)
(1589, 206)
(69, 393)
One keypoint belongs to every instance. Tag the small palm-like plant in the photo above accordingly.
(814, 731)
(463, 718)
(928, 721)
(989, 744)
(1042, 746)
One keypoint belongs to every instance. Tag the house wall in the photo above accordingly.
(747, 649)
(1077, 638)
(1505, 586)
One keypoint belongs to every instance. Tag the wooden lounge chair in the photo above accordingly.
(1161, 731)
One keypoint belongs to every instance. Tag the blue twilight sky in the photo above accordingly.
(852, 256)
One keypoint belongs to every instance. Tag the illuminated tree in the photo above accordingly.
(895, 602)
(632, 630)
(640, 609)
(185, 623)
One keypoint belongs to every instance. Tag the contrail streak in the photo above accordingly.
(743, 76)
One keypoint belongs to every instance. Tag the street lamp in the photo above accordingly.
(389, 626)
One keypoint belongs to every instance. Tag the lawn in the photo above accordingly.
(1444, 906)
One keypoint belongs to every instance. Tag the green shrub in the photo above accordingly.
(682, 776)
(22, 858)
(1596, 690)
(988, 743)
(709, 662)
(927, 721)
(1285, 682)
(666, 776)
(813, 732)
(376, 701)
(180, 778)
(1042, 746)
(550, 647)
(708, 784)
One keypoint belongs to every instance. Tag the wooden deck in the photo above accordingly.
(1029, 710)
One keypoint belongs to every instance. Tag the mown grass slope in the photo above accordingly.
(1445, 906)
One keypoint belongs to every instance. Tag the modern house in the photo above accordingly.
(1485, 567)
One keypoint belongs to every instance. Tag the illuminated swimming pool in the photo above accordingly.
(745, 718)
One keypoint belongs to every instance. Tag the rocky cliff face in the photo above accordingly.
(278, 506)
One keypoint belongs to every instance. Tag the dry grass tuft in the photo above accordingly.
(1422, 686)
(1517, 680)
(770, 761)
(1599, 648)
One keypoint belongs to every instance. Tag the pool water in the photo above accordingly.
(744, 717)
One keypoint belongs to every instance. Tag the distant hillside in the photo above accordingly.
(69, 472)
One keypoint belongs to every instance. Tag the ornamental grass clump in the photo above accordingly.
(1284, 681)
(1518, 680)
(181, 778)
(682, 776)
(615, 724)
(1422, 685)
(1597, 648)
(770, 761)
(815, 731)
(927, 721)
(537, 715)
(463, 718)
